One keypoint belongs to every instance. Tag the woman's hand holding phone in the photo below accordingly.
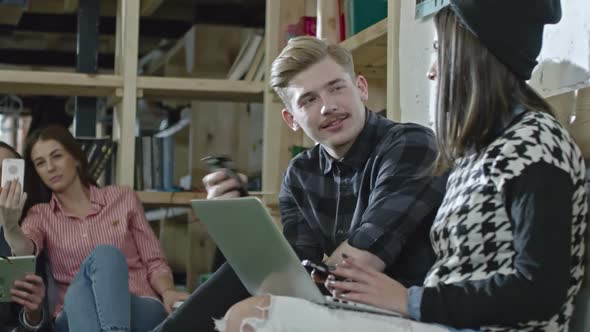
(319, 271)
(12, 200)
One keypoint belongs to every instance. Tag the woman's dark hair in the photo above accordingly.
(475, 92)
(30, 186)
(65, 138)
(6, 146)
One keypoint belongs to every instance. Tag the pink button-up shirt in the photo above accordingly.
(116, 218)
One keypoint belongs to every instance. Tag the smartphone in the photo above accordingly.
(13, 168)
(321, 269)
(177, 305)
(217, 162)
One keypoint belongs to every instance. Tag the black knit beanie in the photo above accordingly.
(512, 30)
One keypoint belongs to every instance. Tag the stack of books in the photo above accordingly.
(249, 63)
(99, 153)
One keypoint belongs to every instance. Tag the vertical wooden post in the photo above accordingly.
(328, 26)
(126, 65)
(394, 111)
(272, 116)
(278, 138)
(580, 129)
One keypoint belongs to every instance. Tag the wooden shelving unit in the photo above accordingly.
(369, 49)
(29, 82)
(198, 88)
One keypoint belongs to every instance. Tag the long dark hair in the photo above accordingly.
(4, 145)
(30, 187)
(65, 138)
(475, 92)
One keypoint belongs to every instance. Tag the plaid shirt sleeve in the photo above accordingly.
(295, 227)
(404, 196)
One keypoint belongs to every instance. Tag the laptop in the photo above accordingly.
(262, 258)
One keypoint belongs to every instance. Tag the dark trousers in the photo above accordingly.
(211, 300)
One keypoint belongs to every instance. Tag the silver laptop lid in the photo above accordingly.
(254, 246)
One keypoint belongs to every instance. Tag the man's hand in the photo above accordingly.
(30, 292)
(171, 296)
(361, 256)
(12, 200)
(220, 185)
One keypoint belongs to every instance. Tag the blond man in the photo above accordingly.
(365, 189)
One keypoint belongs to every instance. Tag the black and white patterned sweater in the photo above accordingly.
(509, 235)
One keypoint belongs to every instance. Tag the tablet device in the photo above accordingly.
(12, 269)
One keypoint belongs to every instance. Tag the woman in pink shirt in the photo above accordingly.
(110, 271)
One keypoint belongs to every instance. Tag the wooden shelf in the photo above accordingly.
(369, 50)
(169, 198)
(200, 88)
(25, 82)
(179, 198)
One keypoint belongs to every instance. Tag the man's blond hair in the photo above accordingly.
(301, 53)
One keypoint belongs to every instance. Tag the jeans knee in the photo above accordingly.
(107, 255)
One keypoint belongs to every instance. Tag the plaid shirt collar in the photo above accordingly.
(360, 149)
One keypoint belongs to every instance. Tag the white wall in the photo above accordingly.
(564, 60)
(416, 55)
(564, 63)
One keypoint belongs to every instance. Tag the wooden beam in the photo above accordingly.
(203, 89)
(58, 84)
(43, 68)
(580, 129)
(183, 11)
(11, 14)
(30, 40)
(126, 65)
(70, 6)
(272, 117)
(328, 21)
(278, 138)
(52, 6)
(149, 7)
(369, 47)
(394, 111)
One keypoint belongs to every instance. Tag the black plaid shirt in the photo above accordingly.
(380, 196)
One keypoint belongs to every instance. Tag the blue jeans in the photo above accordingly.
(98, 298)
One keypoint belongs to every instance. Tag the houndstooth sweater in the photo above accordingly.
(509, 235)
